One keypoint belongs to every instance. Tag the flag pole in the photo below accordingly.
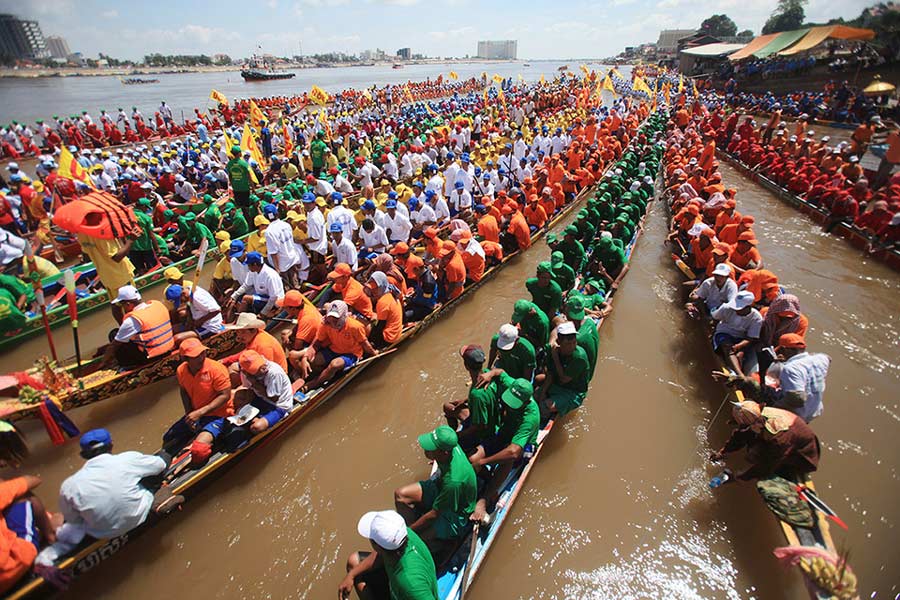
(39, 295)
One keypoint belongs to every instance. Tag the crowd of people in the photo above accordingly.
(461, 192)
(537, 367)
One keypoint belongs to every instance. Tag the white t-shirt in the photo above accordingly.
(280, 242)
(130, 327)
(376, 240)
(806, 372)
(315, 229)
(461, 201)
(341, 214)
(398, 225)
(275, 387)
(424, 215)
(203, 303)
(739, 326)
(345, 252)
(713, 295)
(238, 270)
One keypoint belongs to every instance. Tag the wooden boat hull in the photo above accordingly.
(95, 552)
(853, 235)
(262, 76)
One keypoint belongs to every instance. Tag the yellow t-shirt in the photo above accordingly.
(44, 267)
(112, 274)
(223, 269)
(256, 242)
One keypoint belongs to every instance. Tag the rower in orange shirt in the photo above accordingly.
(727, 216)
(432, 242)
(473, 255)
(452, 274)
(744, 255)
(547, 201)
(487, 225)
(351, 290)
(518, 227)
(730, 233)
(535, 215)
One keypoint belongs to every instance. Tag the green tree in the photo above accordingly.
(745, 34)
(719, 26)
(788, 15)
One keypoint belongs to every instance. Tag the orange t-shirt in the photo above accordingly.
(18, 554)
(455, 272)
(743, 261)
(355, 297)
(203, 387)
(474, 265)
(433, 246)
(268, 347)
(536, 216)
(492, 249)
(519, 228)
(488, 228)
(388, 309)
(893, 152)
(346, 341)
(308, 322)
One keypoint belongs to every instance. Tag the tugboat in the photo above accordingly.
(397, 66)
(259, 70)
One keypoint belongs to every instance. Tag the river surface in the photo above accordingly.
(618, 506)
(40, 98)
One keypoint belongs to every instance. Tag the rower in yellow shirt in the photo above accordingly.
(43, 267)
(256, 242)
(113, 266)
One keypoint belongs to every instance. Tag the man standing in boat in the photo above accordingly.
(239, 175)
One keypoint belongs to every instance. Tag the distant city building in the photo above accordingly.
(668, 39)
(21, 39)
(497, 49)
(58, 47)
(404, 53)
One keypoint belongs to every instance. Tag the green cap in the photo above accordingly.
(168, 213)
(551, 238)
(520, 309)
(190, 216)
(517, 394)
(145, 202)
(557, 258)
(207, 199)
(570, 230)
(595, 284)
(442, 438)
(575, 308)
(229, 206)
(235, 149)
(544, 267)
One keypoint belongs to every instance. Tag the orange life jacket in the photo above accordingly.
(156, 336)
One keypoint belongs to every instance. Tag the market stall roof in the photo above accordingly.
(755, 44)
(784, 40)
(718, 49)
(817, 35)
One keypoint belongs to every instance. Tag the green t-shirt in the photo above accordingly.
(521, 426)
(16, 287)
(11, 318)
(518, 361)
(212, 216)
(564, 275)
(162, 248)
(198, 232)
(536, 328)
(412, 576)
(577, 366)
(588, 338)
(317, 153)
(455, 501)
(593, 301)
(573, 254)
(548, 299)
(144, 240)
(484, 407)
(239, 174)
(239, 225)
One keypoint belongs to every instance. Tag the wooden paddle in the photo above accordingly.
(201, 258)
(465, 577)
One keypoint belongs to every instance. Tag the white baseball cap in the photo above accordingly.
(722, 269)
(127, 293)
(507, 336)
(386, 528)
(566, 328)
(742, 300)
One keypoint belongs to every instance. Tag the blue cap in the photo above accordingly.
(390, 204)
(509, 146)
(486, 176)
(254, 258)
(270, 208)
(451, 156)
(501, 170)
(418, 184)
(432, 167)
(15, 177)
(490, 163)
(368, 204)
(477, 170)
(459, 185)
(392, 195)
(480, 208)
(308, 198)
(464, 157)
(236, 248)
(430, 193)
(412, 203)
(337, 197)
(95, 436)
(335, 228)
(173, 294)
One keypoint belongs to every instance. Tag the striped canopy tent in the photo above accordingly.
(754, 45)
(98, 215)
(784, 40)
(817, 35)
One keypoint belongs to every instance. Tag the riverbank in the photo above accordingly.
(42, 72)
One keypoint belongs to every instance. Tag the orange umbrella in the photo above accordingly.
(98, 214)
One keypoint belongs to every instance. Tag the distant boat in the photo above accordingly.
(563, 68)
(137, 80)
(397, 66)
(258, 69)
(526, 65)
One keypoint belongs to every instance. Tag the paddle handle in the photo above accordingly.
(464, 586)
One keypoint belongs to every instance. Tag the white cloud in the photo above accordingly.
(459, 32)
(110, 14)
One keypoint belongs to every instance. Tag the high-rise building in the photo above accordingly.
(497, 49)
(58, 47)
(21, 39)
(404, 53)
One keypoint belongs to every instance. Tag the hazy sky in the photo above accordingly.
(552, 29)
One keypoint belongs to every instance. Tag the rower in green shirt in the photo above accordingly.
(513, 353)
(479, 412)
(11, 318)
(573, 252)
(562, 273)
(568, 372)
(22, 293)
(235, 222)
(212, 218)
(532, 321)
(587, 336)
(438, 509)
(141, 252)
(545, 292)
(197, 232)
(239, 175)
(400, 566)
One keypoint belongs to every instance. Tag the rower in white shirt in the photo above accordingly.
(317, 240)
(341, 183)
(439, 205)
(520, 148)
(372, 237)
(406, 166)
(322, 188)
(485, 187)
(280, 249)
(370, 211)
(397, 225)
(450, 171)
(341, 215)
(435, 182)
(342, 248)
(260, 290)
(460, 200)
(421, 214)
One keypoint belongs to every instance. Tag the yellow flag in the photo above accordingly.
(694, 83)
(502, 96)
(256, 115)
(543, 81)
(407, 93)
(453, 75)
(319, 96)
(218, 97)
(367, 94)
(584, 69)
(248, 142)
(484, 74)
(522, 79)
(497, 79)
(72, 169)
(608, 85)
(680, 84)
(430, 110)
(639, 85)
(325, 124)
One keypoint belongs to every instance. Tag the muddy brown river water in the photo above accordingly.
(618, 506)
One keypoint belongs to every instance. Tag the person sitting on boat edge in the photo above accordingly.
(206, 395)
(399, 567)
(545, 292)
(565, 385)
(25, 528)
(716, 290)
(477, 416)
(308, 320)
(144, 334)
(388, 310)
(424, 296)
(265, 386)
(196, 312)
(251, 334)
(778, 442)
(439, 507)
(263, 284)
(533, 323)
(109, 496)
(341, 342)
(738, 326)
(513, 353)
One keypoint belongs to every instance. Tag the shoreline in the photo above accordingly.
(47, 72)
